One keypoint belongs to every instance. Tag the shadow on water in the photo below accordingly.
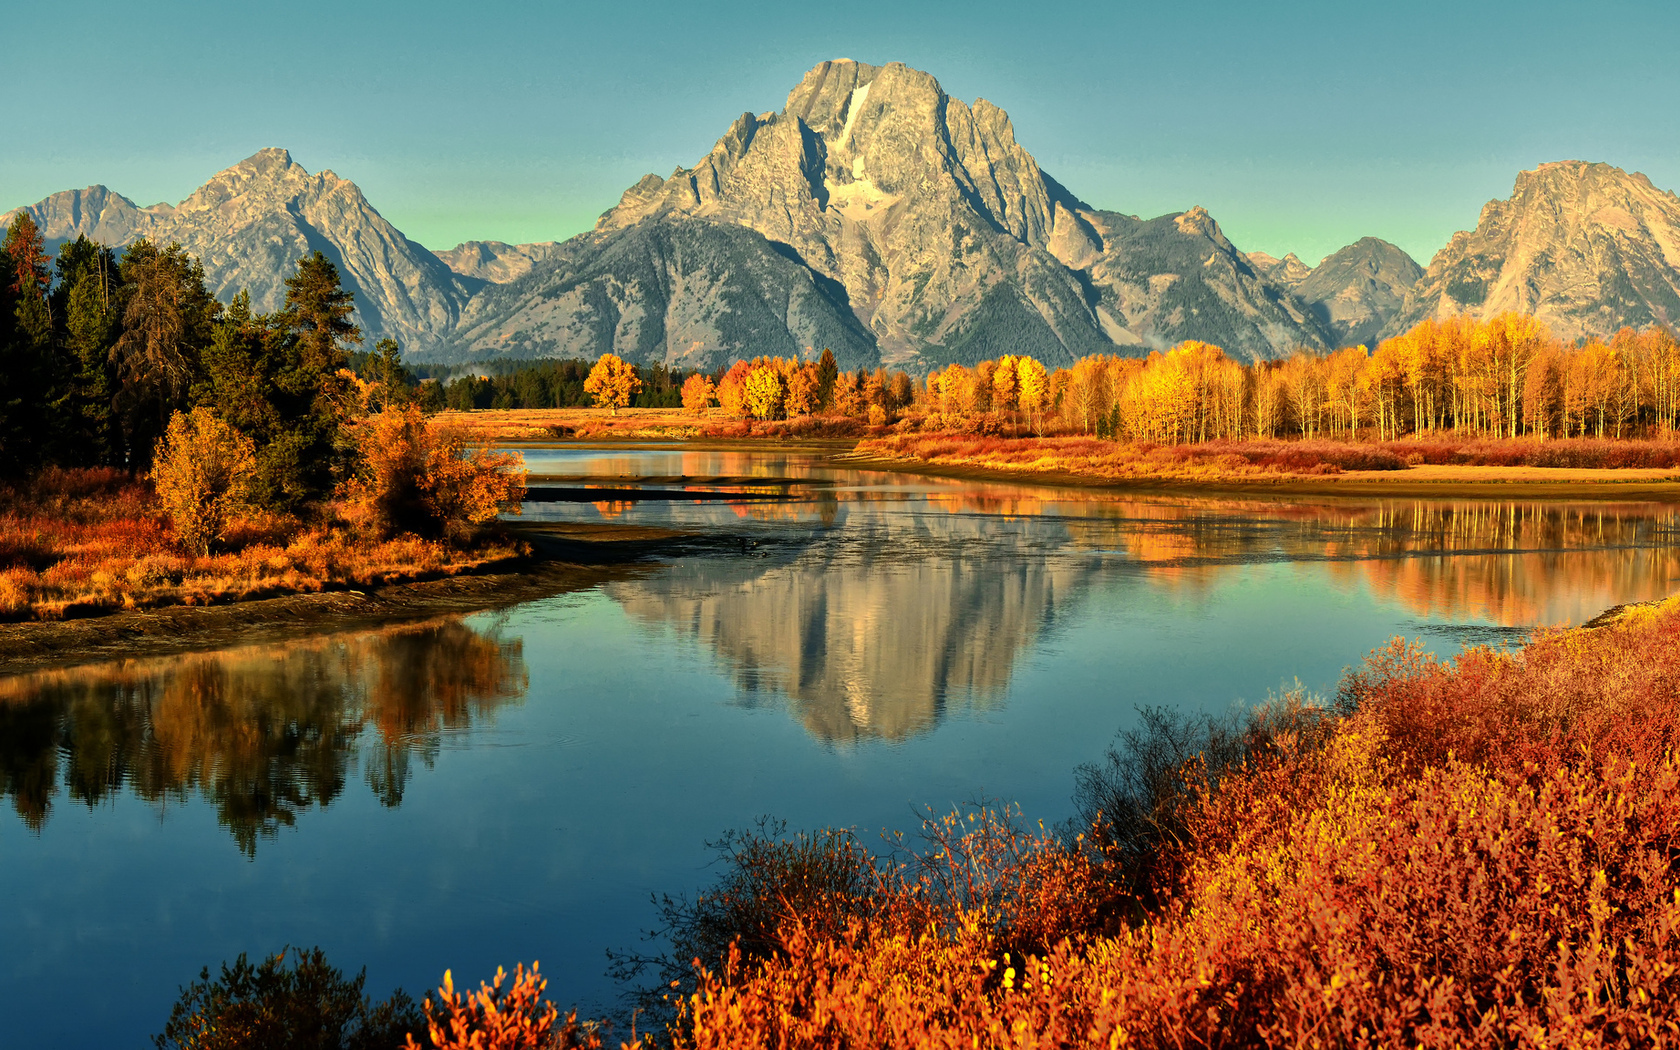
(262, 733)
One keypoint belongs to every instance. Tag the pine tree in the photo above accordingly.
(168, 319)
(827, 373)
(86, 295)
(25, 348)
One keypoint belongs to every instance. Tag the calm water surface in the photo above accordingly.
(505, 786)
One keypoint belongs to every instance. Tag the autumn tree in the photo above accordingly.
(766, 391)
(200, 471)
(427, 477)
(698, 393)
(612, 383)
(804, 390)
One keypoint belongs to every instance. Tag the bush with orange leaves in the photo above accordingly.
(428, 478)
(1476, 852)
(517, 1018)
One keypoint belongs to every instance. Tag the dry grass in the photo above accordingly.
(1097, 457)
(85, 542)
(652, 424)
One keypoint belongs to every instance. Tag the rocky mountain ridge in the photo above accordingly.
(251, 223)
(876, 215)
(1587, 248)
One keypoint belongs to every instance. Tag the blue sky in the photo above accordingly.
(1301, 127)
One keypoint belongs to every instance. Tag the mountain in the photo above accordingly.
(1358, 290)
(684, 292)
(1288, 271)
(918, 214)
(1587, 248)
(495, 262)
(251, 223)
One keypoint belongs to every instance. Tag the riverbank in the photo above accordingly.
(1421, 482)
(1171, 469)
(562, 559)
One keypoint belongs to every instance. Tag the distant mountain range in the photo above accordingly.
(876, 215)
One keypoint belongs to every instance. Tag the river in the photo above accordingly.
(849, 648)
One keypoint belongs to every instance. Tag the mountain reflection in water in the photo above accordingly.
(870, 612)
(261, 732)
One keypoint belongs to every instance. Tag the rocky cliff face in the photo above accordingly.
(949, 241)
(1286, 272)
(1587, 248)
(251, 223)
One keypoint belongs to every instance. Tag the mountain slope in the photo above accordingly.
(948, 239)
(1587, 248)
(1358, 290)
(251, 223)
(685, 292)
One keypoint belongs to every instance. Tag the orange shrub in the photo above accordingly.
(429, 478)
(200, 471)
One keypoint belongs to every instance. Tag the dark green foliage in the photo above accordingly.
(828, 373)
(26, 361)
(550, 384)
(87, 294)
(318, 309)
(307, 1005)
(168, 318)
(266, 376)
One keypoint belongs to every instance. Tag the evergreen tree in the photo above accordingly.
(85, 296)
(168, 318)
(318, 309)
(828, 372)
(26, 360)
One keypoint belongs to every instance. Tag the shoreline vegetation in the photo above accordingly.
(1477, 851)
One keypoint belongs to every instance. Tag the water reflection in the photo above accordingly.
(262, 732)
(871, 631)
(872, 607)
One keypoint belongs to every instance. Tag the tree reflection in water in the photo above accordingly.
(262, 732)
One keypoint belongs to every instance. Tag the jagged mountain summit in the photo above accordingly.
(251, 223)
(1288, 271)
(1355, 292)
(915, 213)
(1587, 248)
(495, 262)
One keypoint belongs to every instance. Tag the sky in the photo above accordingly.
(1300, 126)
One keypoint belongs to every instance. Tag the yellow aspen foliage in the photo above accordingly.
(766, 392)
(612, 382)
(1006, 385)
(804, 390)
(200, 471)
(1034, 383)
